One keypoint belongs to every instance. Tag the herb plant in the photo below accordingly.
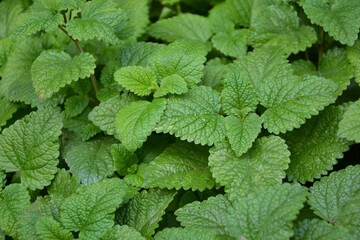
(179, 119)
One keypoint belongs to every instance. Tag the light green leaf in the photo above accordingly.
(220, 18)
(6, 48)
(238, 94)
(100, 20)
(262, 166)
(208, 215)
(336, 198)
(194, 117)
(7, 109)
(135, 122)
(142, 81)
(74, 105)
(339, 18)
(124, 160)
(182, 165)
(122, 232)
(14, 198)
(173, 84)
(315, 146)
(267, 214)
(240, 11)
(280, 26)
(292, 99)
(91, 209)
(63, 185)
(349, 126)
(145, 210)
(2, 180)
(320, 230)
(354, 58)
(49, 229)
(242, 132)
(104, 115)
(54, 69)
(90, 161)
(183, 234)
(9, 12)
(231, 43)
(214, 72)
(30, 147)
(185, 26)
(179, 58)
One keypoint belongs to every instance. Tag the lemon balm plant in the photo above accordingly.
(179, 119)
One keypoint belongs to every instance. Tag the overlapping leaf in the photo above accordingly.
(349, 126)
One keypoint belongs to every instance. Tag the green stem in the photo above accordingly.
(321, 49)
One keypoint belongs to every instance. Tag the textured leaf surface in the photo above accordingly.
(194, 117)
(74, 105)
(279, 26)
(7, 109)
(63, 185)
(339, 18)
(315, 146)
(182, 165)
(232, 43)
(319, 229)
(9, 12)
(242, 132)
(208, 215)
(50, 229)
(185, 26)
(262, 166)
(104, 115)
(141, 81)
(267, 214)
(123, 159)
(172, 84)
(90, 211)
(349, 126)
(135, 122)
(122, 232)
(54, 69)
(293, 99)
(336, 198)
(145, 210)
(354, 58)
(30, 146)
(90, 161)
(14, 198)
(183, 234)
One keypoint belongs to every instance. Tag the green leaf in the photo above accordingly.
(185, 26)
(122, 232)
(262, 166)
(182, 165)
(91, 209)
(336, 198)
(135, 122)
(240, 11)
(49, 229)
(292, 99)
(124, 160)
(181, 59)
(99, 20)
(145, 210)
(194, 117)
(315, 146)
(54, 69)
(242, 132)
(14, 198)
(90, 161)
(63, 185)
(2, 180)
(82, 125)
(104, 115)
(205, 216)
(280, 26)
(7, 109)
(74, 105)
(349, 126)
(238, 93)
(142, 81)
(231, 43)
(267, 214)
(30, 146)
(339, 18)
(183, 234)
(354, 58)
(319, 229)
(9, 12)
(137, 53)
(219, 18)
(173, 84)
(214, 72)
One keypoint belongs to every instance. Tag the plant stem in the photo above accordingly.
(64, 15)
(178, 8)
(321, 49)
(99, 47)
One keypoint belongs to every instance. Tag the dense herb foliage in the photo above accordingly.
(179, 119)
